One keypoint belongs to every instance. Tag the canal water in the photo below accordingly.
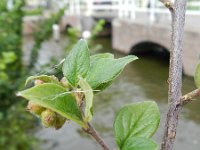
(144, 79)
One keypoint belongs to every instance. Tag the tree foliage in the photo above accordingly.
(73, 99)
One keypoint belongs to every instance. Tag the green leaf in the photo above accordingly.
(197, 76)
(2, 65)
(96, 57)
(138, 143)
(9, 57)
(44, 78)
(77, 63)
(1, 115)
(56, 98)
(88, 99)
(3, 75)
(104, 70)
(136, 120)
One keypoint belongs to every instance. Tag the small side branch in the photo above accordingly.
(189, 97)
(168, 3)
(91, 131)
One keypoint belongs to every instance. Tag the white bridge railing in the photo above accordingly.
(124, 8)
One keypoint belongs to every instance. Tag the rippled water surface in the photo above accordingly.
(144, 79)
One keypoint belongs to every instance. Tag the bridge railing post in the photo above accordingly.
(152, 11)
(71, 7)
(89, 7)
(123, 8)
(126, 8)
(132, 11)
(120, 8)
(77, 7)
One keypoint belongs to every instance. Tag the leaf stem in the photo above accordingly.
(91, 131)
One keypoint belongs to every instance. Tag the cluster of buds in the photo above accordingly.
(48, 117)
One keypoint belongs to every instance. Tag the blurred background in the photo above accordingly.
(35, 35)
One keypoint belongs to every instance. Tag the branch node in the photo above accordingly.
(172, 135)
(91, 131)
(168, 3)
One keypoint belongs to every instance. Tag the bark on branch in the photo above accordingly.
(91, 131)
(175, 74)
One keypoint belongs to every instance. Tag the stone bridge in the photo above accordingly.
(138, 21)
(135, 22)
(127, 34)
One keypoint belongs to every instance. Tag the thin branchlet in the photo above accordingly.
(168, 3)
(190, 96)
(89, 129)
(92, 132)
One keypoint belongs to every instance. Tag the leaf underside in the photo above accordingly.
(56, 98)
(44, 78)
(88, 99)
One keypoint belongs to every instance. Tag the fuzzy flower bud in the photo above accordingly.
(65, 83)
(59, 121)
(35, 108)
(54, 77)
(38, 82)
(48, 118)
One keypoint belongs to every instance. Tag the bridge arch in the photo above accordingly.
(150, 48)
(67, 26)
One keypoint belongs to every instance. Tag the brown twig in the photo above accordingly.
(91, 131)
(189, 97)
(168, 3)
(175, 74)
